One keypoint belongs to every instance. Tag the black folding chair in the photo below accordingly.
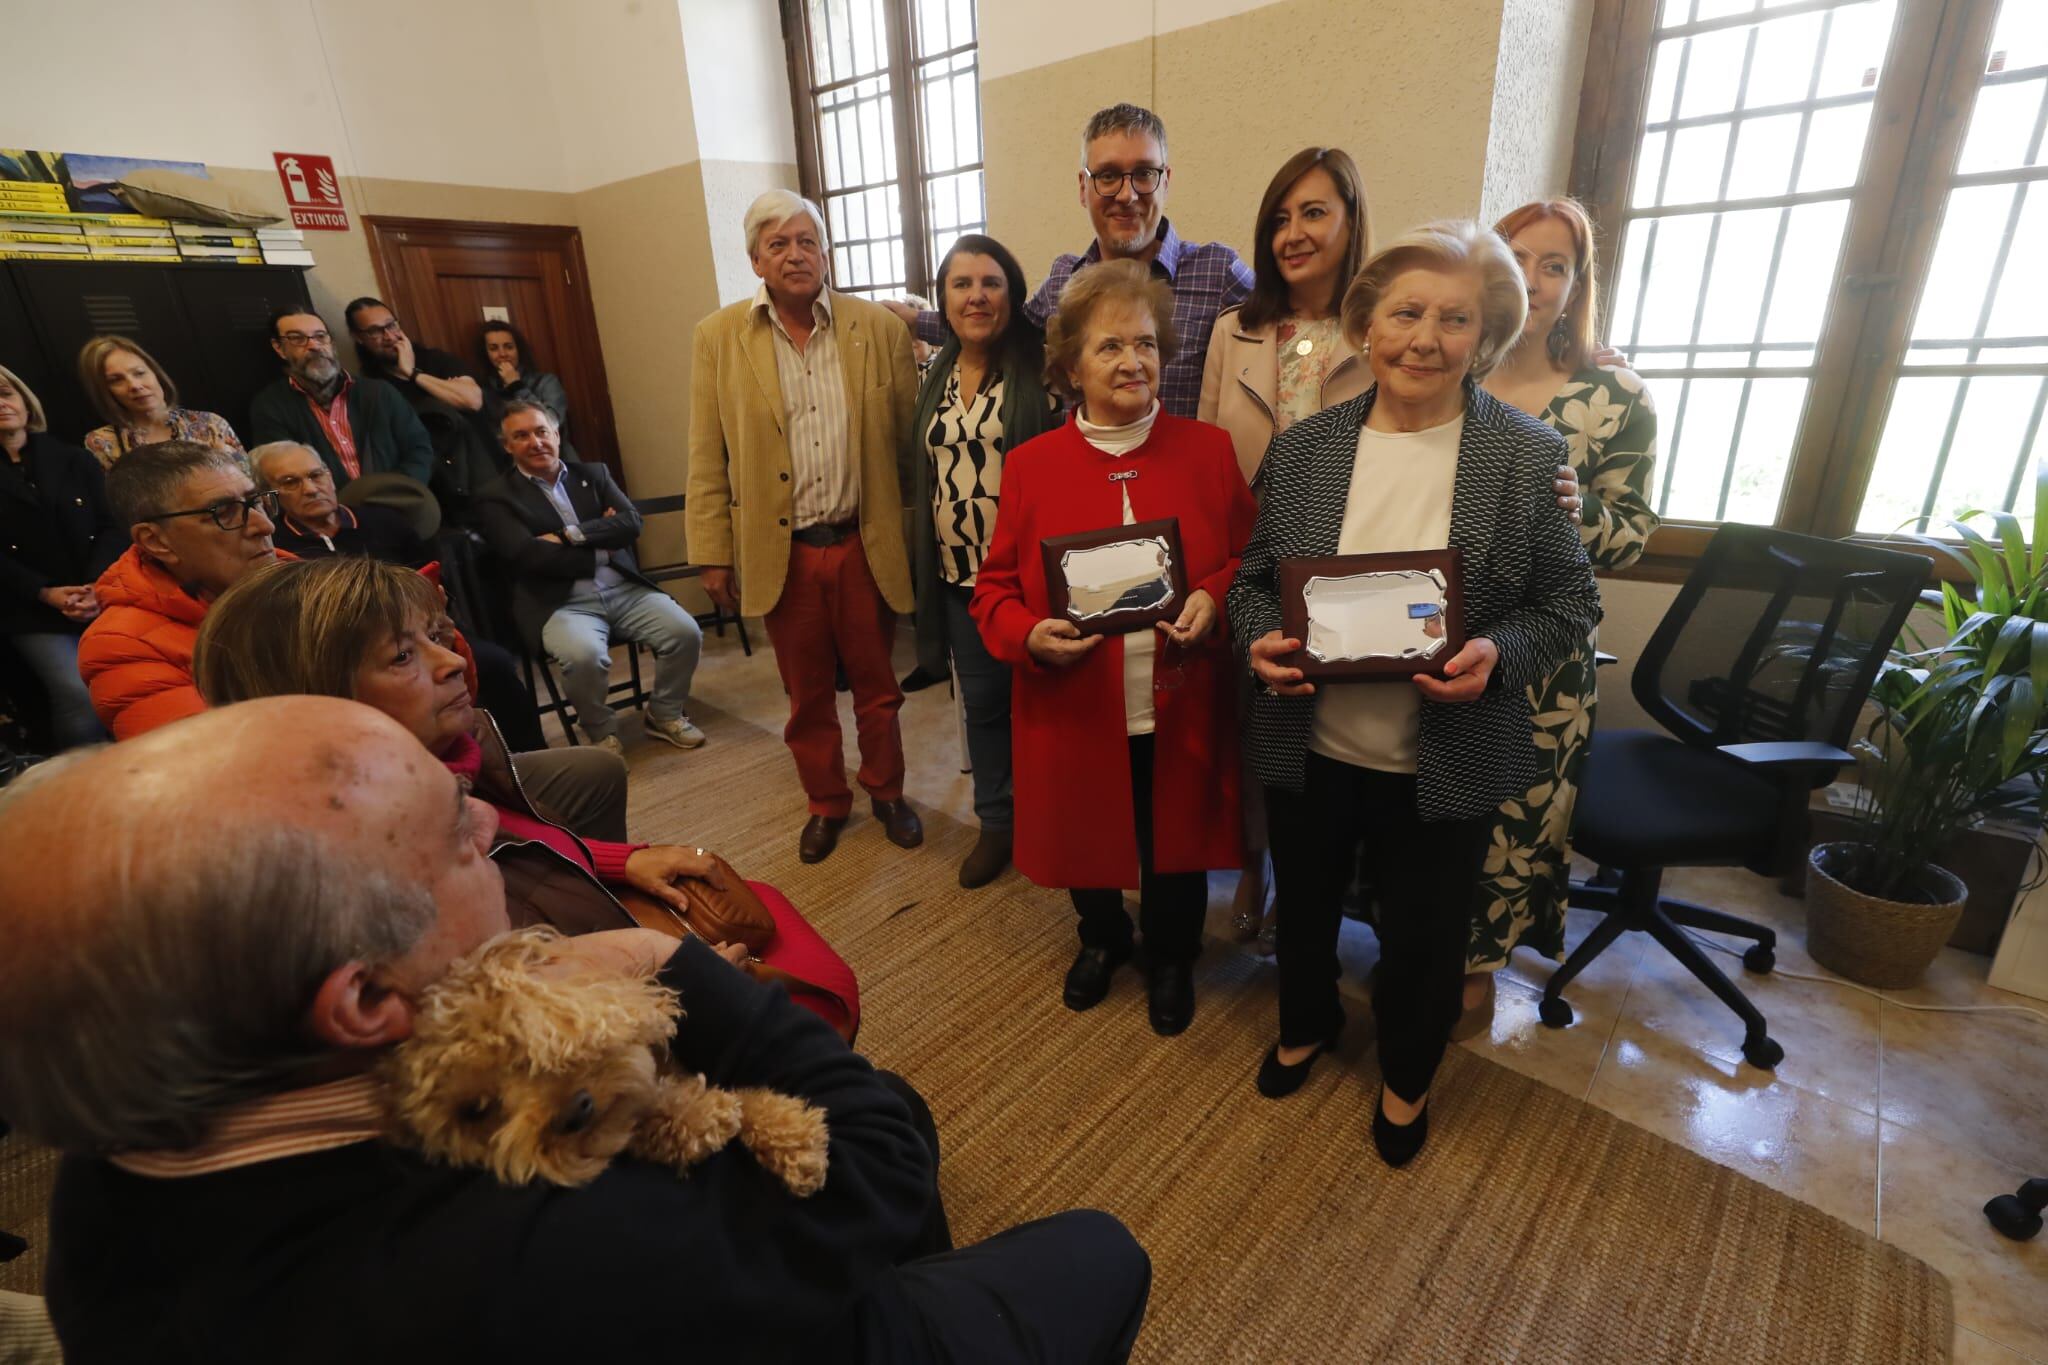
(718, 618)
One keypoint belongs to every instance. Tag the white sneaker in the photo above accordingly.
(611, 745)
(679, 732)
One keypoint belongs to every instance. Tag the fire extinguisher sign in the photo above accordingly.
(312, 191)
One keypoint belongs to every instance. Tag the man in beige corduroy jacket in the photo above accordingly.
(799, 399)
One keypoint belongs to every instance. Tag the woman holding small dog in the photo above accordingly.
(1125, 745)
(379, 634)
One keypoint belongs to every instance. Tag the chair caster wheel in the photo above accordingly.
(2012, 1218)
(1555, 1011)
(1760, 958)
(1762, 1052)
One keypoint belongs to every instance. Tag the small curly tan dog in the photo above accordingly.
(537, 1075)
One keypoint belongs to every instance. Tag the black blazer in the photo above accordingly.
(514, 513)
(56, 533)
(1528, 588)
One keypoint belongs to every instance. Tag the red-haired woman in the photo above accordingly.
(1603, 411)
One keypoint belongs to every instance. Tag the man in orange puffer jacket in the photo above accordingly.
(199, 524)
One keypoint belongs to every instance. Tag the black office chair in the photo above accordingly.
(718, 618)
(1758, 671)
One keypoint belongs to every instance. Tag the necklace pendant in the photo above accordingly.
(1304, 346)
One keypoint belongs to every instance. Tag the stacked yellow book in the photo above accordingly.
(32, 235)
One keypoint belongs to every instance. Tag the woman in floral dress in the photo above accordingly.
(1604, 413)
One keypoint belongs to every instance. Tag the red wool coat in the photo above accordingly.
(1071, 764)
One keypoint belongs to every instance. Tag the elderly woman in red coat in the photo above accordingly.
(1126, 753)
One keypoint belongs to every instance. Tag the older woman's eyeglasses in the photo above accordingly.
(1143, 180)
(230, 514)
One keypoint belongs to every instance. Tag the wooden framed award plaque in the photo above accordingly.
(1118, 580)
(1373, 618)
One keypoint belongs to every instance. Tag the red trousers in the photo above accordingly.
(832, 615)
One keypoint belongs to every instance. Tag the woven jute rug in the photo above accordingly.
(1533, 1227)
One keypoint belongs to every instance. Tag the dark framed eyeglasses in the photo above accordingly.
(1144, 180)
(304, 338)
(382, 329)
(230, 514)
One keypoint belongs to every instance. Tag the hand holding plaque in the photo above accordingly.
(1115, 581)
(1374, 617)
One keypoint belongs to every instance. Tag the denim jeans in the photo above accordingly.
(53, 657)
(578, 638)
(985, 699)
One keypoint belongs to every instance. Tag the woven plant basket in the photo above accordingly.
(1880, 943)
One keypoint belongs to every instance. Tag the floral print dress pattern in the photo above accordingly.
(1606, 418)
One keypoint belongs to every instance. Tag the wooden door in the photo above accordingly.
(444, 279)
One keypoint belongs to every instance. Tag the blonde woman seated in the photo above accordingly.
(378, 633)
(140, 402)
(1125, 746)
(1412, 771)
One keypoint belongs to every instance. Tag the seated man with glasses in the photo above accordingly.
(1123, 183)
(357, 426)
(198, 524)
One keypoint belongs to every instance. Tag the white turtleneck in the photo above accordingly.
(1140, 646)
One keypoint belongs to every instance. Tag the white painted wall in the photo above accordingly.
(386, 87)
(739, 81)
(556, 95)
(620, 86)
(1017, 35)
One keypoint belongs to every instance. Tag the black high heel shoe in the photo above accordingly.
(1397, 1143)
(1277, 1079)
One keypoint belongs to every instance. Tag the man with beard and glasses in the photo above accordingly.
(356, 426)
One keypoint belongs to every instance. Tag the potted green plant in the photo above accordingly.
(1960, 732)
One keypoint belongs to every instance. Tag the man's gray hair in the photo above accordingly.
(146, 481)
(1122, 118)
(270, 450)
(519, 405)
(191, 994)
(779, 206)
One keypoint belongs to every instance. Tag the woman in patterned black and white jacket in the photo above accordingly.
(1424, 460)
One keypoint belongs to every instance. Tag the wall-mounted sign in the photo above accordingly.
(311, 191)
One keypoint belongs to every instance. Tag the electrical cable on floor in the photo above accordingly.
(1838, 981)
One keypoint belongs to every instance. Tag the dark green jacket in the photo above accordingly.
(388, 437)
(1027, 412)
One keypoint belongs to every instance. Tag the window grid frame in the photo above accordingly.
(1922, 105)
(903, 81)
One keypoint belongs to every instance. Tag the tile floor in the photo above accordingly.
(1899, 1122)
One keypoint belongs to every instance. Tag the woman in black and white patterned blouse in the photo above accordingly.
(982, 396)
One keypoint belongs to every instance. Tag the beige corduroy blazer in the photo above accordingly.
(1241, 383)
(739, 482)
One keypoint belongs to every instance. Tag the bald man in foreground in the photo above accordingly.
(213, 931)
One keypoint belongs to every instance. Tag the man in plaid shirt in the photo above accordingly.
(1123, 184)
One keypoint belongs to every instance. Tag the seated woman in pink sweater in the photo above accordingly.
(378, 634)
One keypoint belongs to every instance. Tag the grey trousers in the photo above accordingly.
(578, 637)
(584, 788)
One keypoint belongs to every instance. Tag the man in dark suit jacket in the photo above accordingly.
(565, 534)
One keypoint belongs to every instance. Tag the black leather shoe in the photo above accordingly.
(1170, 992)
(1398, 1143)
(1088, 978)
(900, 823)
(986, 863)
(820, 837)
(1277, 1079)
